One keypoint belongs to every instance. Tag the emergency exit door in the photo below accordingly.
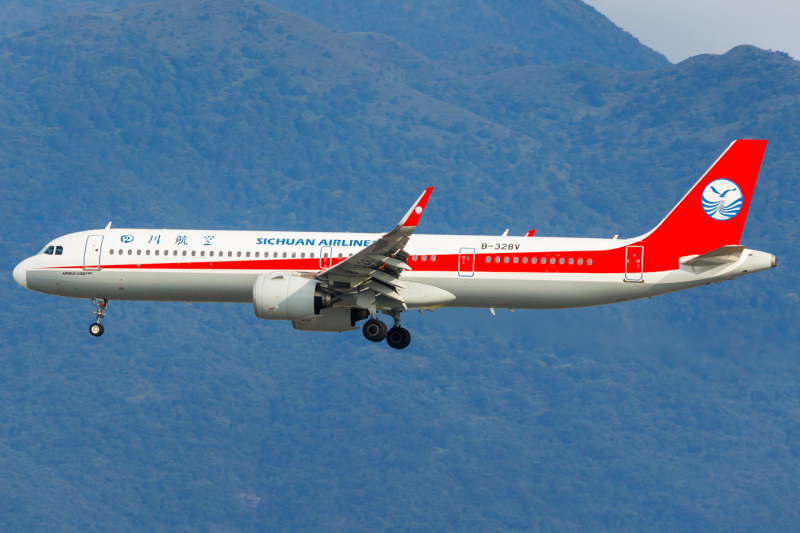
(91, 254)
(466, 262)
(634, 263)
(325, 257)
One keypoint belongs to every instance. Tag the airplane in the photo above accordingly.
(331, 281)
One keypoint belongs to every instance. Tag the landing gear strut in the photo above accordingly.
(398, 337)
(97, 328)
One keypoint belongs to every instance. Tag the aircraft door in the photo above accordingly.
(91, 254)
(325, 257)
(634, 263)
(466, 262)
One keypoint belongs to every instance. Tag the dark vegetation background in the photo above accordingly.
(674, 414)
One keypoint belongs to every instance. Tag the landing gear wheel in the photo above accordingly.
(398, 338)
(96, 329)
(374, 330)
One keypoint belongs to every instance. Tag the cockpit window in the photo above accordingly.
(59, 250)
(49, 250)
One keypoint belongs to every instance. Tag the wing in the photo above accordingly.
(376, 269)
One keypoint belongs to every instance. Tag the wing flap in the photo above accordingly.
(377, 268)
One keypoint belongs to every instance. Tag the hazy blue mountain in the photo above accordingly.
(20, 15)
(557, 31)
(672, 414)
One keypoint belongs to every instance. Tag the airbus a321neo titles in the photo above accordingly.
(331, 281)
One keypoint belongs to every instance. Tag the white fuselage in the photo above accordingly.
(480, 271)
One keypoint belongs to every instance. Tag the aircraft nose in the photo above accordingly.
(19, 274)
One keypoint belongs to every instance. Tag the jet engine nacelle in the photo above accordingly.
(286, 296)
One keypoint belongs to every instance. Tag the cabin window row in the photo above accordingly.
(535, 260)
(423, 257)
(211, 253)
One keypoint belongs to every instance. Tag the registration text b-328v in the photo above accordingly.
(331, 281)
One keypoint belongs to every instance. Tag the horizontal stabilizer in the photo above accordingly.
(721, 256)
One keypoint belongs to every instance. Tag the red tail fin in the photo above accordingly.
(713, 212)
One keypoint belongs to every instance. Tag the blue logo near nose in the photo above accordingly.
(126, 238)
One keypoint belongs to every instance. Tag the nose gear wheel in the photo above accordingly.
(97, 328)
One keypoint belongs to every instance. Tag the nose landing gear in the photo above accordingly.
(97, 328)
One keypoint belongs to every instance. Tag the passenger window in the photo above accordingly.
(497, 259)
(561, 261)
(284, 254)
(312, 255)
(340, 256)
(589, 262)
(211, 253)
(580, 261)
(525, 260)
(433, 258)
(505, 259)
(111, 251)
(552, 260)
(302, 255)
(183, 253)
(571, 260)
(120, 252)
(533, 260)
(516, 259)
(424, 257)
(274, 255)
(488, 259)
(175, 252)
(256, 254)
(147, 252)
(247, 254)
(193, 253)
(138, 252)
(238, 254)
(230, 254)
(130, 252)
(156, 252)
(294, 254)
(49, 250)
(413, 257)
(202, 253)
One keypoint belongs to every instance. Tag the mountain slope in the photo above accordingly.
(558, 31)
(672, 414)
(21, 15)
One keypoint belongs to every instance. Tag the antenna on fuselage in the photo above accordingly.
(504, 233)
(108, 226)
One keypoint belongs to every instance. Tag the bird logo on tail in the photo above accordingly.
(722, 199)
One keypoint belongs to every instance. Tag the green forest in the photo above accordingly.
(680, 413)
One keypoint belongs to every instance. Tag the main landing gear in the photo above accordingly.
(97, 328)
(397, 337)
